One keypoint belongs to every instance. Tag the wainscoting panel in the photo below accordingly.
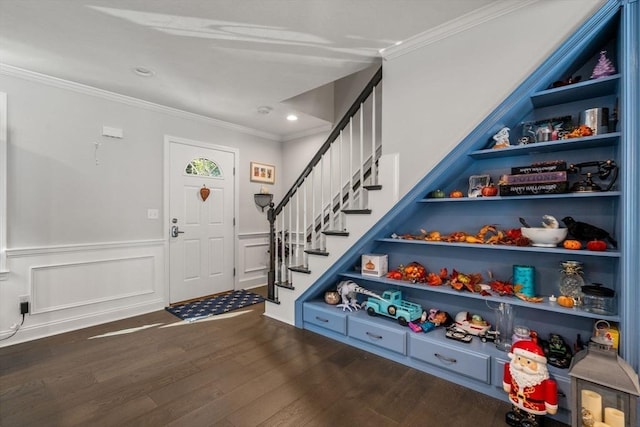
(62, 286)
(75, 286)
(253, 259)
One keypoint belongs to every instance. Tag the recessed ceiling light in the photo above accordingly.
(264, 109)
(292, 117)
(143, 71)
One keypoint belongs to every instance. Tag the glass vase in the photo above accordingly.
(571, 281)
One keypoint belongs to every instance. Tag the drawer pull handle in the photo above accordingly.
(444, 358)
(322, 319)
(562, 393)
(372, 335)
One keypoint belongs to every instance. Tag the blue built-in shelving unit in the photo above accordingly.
(615, 27)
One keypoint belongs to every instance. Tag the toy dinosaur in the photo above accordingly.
(348, 290)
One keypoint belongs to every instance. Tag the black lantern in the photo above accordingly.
(604, 389)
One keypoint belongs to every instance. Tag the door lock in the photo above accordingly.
(175, 231)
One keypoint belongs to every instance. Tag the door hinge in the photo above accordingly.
(234, 221)
(234, 272)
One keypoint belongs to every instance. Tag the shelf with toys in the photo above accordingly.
(545, 304)
(609, 253)
(593, 141)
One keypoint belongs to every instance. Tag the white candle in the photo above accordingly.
(592, 402)
(613, 417)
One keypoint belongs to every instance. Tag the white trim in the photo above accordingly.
(83, 247)
(168, 140)
(72, 323)
(253, 235)
(9, 70)
(3, 186)
(463, 23)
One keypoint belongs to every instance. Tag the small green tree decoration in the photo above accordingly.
(604, 67)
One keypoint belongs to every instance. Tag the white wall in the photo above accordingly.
(438, 93)
(79, 241)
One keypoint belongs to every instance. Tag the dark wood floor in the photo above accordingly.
(247, 370)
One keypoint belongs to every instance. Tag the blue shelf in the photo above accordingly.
(604, 140)
(577, 92)
(443, 289)
(479, 246)
(512, 198)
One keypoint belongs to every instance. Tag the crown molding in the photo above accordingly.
(463, 23)
(11, 71)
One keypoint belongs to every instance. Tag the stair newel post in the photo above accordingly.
(298, 261)
(321, 167)
(271, 275)
(314, 236)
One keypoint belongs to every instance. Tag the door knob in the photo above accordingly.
(175, 231)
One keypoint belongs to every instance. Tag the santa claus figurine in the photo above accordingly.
(531, 391)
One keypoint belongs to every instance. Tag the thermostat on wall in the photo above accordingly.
(112, 132)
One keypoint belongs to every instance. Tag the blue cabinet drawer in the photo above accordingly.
(331, 319)
(564, 392)
(379, 335)
(497, 371)
(460, 361)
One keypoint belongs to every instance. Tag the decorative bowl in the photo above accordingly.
(332, 297)
(544, 237)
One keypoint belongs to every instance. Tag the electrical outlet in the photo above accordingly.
(24, 304)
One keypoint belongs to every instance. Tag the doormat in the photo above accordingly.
(215, 305)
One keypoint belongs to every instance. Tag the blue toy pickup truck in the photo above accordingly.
(392, 305)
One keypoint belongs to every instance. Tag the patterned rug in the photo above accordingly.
(216, 305)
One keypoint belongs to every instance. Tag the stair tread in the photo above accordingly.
(317, 252)
(356, 211)
(373, 187)
(285, 285)
(300, 269)
(335, 233)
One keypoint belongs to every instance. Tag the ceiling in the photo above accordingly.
(217, 58)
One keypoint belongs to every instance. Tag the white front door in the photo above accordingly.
(201, 240)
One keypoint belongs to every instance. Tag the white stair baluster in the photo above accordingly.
(374, 172)
(341, 184)
(350, 163)
(361, 189)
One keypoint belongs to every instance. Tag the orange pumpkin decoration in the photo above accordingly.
(597, 245)
(565, 301)
(456, 194)
(572, 244)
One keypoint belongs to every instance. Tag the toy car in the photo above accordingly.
(491, 336)
(474, 325)
(458, 334)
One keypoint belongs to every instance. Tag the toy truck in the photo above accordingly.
(392, 305)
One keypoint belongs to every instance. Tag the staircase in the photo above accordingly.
(345, 189)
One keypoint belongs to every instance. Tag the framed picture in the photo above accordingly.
(261, 172)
